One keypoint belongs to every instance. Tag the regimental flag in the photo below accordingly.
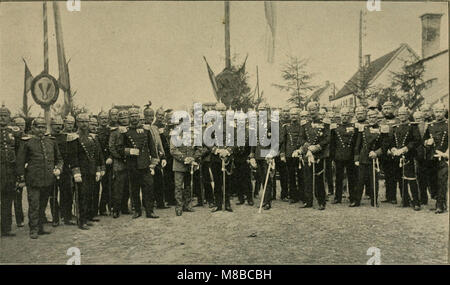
(26, 88)
(212, 78)
(271, 18)
(64, 78)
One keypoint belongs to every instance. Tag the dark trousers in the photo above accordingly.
(18, 209)
(349, 167)
(120, 183)
(7, 196)
(216, 168)
(105, 198)
(125, 196)
(263, 166)
(388, 166)
(284, 180)
(95, 199)
(329, 175)
(53, 200)
(241, 180)
(183, 195)
(442, 174)
(405, 177)
(301, 181)
(37, 203)
(206, 180)
(366, 179)
(66, 195)
(158, 181)
(258, 182)
(427, 176)
(292, 175)
(169, 181)
(142, 180)
(315, 170)
(85, 190)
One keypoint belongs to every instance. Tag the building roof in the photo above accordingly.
(431, 57)
(374, 68)
(316, 94)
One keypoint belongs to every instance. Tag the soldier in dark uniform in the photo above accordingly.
(328, 118)
(165, 126)
(342, 146)
(149, 116)
(140, 152)
(120, 174)
(41, 153)
(103, 134)
(19, 132)
(436, 145)
(387, 161)
(281, 164)
(403, 143)
(289, 137)
(420, 158)
(93, 130)
(57, 127)
(69, 124)
(242, 172)
(221, 162)
(313, 144)
(371, 144)
(90, 161)
(7, 171)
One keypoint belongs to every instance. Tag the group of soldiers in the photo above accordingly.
(92, 166)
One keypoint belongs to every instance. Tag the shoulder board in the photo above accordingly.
(14, 128)
(25, 138)
(285, 125)
(327, 121)
(123, 129)
(72, 137)
(93, 135)
(112, 128)
(146, 127)
(384, 129)
(333, 126)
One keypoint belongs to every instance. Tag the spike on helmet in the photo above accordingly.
(4, 110)
(57, 120)
(38, 121)
(133, 111)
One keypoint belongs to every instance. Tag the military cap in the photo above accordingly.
(439, 107)
(360, 109)
(123, 114)
(93, 119)
(304, 113)
(221, 107)
(294, 111)
(69, 119)
(388, 104)
(160, 111)
(19, 120)
(372, 112)
(113, 110)
(346, 110)
(103, 115)
(4, 110)
(403, 110)
(418, 115)
(38, 121)
(57, 120)
(312, 105)
(133, 111)
(286, 109)
(83, 117)
(425, 107)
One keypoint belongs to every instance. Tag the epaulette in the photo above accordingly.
(27, 137)
(14, 128)
(92, 135)
(146, 127)
(112, 128)
(72, 137)
(122, 129)
(333, 126)
(326, 121)
(384, 129)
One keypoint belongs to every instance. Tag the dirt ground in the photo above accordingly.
(285, 234)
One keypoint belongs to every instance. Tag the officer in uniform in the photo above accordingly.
(140, 152)
(120, 174)
(371, 144)
(387, 161)
(69, 124)
(166, 126)
(40, 151)
(103, 133)
(93, 130)
(7, 171)
(329, 119)
(342, 146)
(149, 116)
(313, 144)
(242, 172)
(89, 160)
(289, 137)
(221, 163)
(57, 125)
(281, 165)
(420, 158)
(19, 132)
(185, 161)
(403, 143)
(436, 145)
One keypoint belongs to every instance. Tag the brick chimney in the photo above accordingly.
(431, 29)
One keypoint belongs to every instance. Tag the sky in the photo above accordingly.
(135, 52)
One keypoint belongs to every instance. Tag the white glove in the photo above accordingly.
(296, 153)
(102, 173)
(429, 141)
(253, 163)
(109, 161)
(372, 154)
(97, 176)
(283, 158)
(77, 178)
(152, 171)
(56, 172)
(403, 150)
(357, 163)
(163, 163)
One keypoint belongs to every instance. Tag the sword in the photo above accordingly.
(76, 206)
(265, 186)
(223, 183)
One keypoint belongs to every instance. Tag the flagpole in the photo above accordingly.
(227, 36)
(47, 109)
(25, 98)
